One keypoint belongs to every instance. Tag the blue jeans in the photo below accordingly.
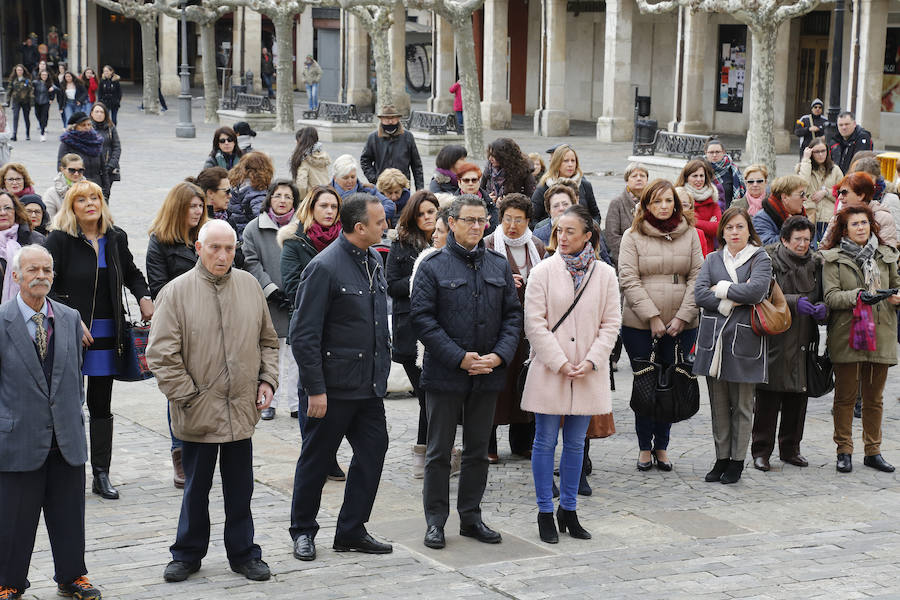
(71, 108)
(176, 443)
(312, 94)
(653, 435)
(26, 111)
(267, 82)
(546, 433)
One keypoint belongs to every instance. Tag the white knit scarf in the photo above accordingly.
(501, 241)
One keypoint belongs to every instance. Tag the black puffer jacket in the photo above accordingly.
(399, 151)
(842, 150)
(110, 91)
(244, 206)
(165, 262)
(585, 198)
(465, 301)
(75, 271)
(44, 92)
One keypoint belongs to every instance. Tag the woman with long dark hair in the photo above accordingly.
(507, 171)
(21, 97)
(225, 152)
(414, 231)
(44, 92)
(112, 147)
(309, 162)
(821, 175)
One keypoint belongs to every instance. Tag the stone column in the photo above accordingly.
(555, 117)
(616, 124)
(397, 38)
(872, 19)
(77, 55)
(696, 30)
(783, 136)
(253, 40)
(443, 64)
(303, 36)
(358, 90)
(169, 80)
(496, 111)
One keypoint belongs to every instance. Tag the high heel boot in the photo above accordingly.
(568, 519)
(101, 457)
(547, 528)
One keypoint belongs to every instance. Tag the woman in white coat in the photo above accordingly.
(569, 372)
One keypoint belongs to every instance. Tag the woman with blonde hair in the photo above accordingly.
(171, 253)
(92, 266)
(756, 177)
(250, 180)
(564, 167)
(392, 188)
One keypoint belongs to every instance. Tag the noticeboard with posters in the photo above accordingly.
(732, 61)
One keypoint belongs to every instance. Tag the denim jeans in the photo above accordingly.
(312, 94)
(70, 109)
(176, 443)
(267, 82)
(26, 113)
(546, 433)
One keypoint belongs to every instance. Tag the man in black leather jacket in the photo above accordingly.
(391, 146)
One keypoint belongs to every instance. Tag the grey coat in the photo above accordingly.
(743, 353)
(619, 217)
(29, 411)
(262, 258)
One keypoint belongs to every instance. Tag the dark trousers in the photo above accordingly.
(478, 421)
(414, 373)
(114, 114)
(653, 435)
(236, 468)
(42, 113)
(57, 488)
(26, 112)
(363, 423)
(765, 418)
(99, 396)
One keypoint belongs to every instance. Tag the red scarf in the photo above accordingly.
(776, 209)
(666, 226)
(322, 237)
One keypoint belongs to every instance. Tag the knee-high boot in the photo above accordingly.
(101, 456)
(584, 488)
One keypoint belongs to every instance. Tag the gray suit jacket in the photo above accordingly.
(29, 411)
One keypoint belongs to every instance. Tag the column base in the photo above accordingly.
(615, 129)
(783, 139)
(496, 115)
(361, 97)
(554, 122)
(441, 104)
(698, 127)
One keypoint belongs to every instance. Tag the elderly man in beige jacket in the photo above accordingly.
(215, 356)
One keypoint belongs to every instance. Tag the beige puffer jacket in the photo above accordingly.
(211, 344)
(313, 171)
(657, 272)
(823, 210)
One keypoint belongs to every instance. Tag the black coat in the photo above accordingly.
(585, 198)
(93, 165)
(493, 212)
(842, 150)
(44, 91)
(398, 269)
(75, 272)
(801, 129)
(110, 92)
(165, 262)
(339, 331)
(296, 253)
(397, 152)
(465, 301)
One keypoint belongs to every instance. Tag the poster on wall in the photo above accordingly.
(732, 60)
(890, 80)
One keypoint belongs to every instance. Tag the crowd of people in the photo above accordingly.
(501, 289)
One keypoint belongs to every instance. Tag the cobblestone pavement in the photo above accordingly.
(789, 533)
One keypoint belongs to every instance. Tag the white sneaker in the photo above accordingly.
(43, 138)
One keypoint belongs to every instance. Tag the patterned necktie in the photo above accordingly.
(40, 336)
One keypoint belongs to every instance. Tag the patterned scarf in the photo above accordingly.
(775, 208)
(864, 257)
(9, 245)
(87, 143)
(449, 174)
(320, 236)
(879, 189)
(497, 179)
(578, 264)
(725, 167)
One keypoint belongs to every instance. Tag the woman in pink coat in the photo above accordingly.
(569, 372)
(456, 90)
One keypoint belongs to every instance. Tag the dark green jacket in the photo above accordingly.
(296, 253)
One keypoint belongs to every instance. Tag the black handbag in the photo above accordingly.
(819, 370)
(132, 364)
(523, 372)
(666, 394)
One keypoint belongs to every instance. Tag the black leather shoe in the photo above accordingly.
(857, 410)
(547, 528)
(844, 463)
(796, 460)
(178, 570)
(481, 532)
(102, 486)
(366, 544)
(434, 537)
(644, 466)
(876, 461)
(733, 473)
(267, 414)
(254, 570)
(761, 463)
(295, 414)
(716, 473)
(305, 547)
(337, 473)
(662, 466)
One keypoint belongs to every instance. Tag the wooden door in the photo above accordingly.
(517, 24)
(811, 73)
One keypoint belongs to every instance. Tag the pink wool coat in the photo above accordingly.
(588, 333)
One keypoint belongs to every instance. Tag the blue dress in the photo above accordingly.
(100, 357)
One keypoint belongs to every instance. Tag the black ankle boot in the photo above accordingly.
(717, 470)
(568, 519)
(733, 473)
(547, 528)
(588, 466)
(101, 457)
(584, 488)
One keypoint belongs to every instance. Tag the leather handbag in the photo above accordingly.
(523, 372)
(132, 363)
(666, 394)
(819, 370)
(771, 316)
(601, 426)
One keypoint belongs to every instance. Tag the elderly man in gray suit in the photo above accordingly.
(42, 442)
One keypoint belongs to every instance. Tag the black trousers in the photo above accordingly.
(236, 468)
(363, 423)
(57, 488)
(478, 421)
(765, 418)
(414, 373)
(42, 112)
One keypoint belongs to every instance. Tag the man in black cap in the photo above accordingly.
(245, 132)
(391, 146)
(811, 125)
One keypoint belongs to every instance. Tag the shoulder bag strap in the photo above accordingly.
(577, 298)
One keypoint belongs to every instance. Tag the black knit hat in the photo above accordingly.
(77, 118)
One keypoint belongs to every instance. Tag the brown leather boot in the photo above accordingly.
(179, 469)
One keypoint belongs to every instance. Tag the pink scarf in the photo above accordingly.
(9, 245)
(754, 205)
(281, 220)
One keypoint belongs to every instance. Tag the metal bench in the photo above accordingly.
(253, 103)
(433, 123)
(338, 112)
(685, 145)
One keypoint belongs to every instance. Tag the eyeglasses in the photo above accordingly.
(469, 179)
(822, 151)
(228, 190)
(283, 197)
(6, 209)
(801, 193)
(842, 193)
(34, 212)
(512, 221)
(225, 140)
(74, 171)
(14, 179)
(469, 221)
(754, 181)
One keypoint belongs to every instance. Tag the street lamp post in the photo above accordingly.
(185, 127)
(837, 48)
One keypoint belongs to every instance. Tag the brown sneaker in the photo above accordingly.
(9, 593)
(81, 589)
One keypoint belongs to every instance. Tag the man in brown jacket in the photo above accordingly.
(215, 356)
